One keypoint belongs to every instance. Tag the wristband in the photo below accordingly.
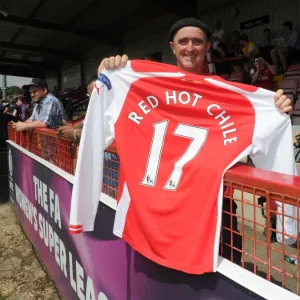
(74, 135)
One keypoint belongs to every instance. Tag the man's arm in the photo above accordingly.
(272, 69)
(78, 125)
(254, 75)
(21, 126)
(78, 133)
(70, 132)
(36, 124)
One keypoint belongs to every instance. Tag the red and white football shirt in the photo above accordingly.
(176, 134)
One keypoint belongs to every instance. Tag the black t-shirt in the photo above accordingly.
(4, 119)
(11, 108)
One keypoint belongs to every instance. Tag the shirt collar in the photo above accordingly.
(42, 101)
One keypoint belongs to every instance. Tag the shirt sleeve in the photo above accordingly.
(259, 43)
(212, 68)
(292, 39)
(273, 150)
(251, 47)
(97, 135)
(48, 114)
(222, 34)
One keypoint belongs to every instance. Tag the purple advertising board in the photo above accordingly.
(97, 265)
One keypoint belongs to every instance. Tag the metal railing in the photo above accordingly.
(249, 235)
(45, 144)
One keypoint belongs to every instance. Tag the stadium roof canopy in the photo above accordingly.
(40, 34)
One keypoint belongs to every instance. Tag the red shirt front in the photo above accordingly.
(176, 134)
(265, 79)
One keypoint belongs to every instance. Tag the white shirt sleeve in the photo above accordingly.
(212, 68)
(273, 150)
(222, 34)
(97, 135)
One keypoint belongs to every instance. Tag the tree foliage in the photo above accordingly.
(11, 91)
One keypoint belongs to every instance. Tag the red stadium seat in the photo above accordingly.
(295, 77)
(292, 74)
(294, 68)
(290, 87)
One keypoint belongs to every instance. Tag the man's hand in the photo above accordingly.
(282, 102)
(256, 65)
(66, 131)
(113, 62)
(20, 126)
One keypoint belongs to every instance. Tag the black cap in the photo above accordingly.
(35, 82)
(189, 22)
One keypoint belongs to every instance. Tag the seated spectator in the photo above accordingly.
(249, 51)
(218, 36)
(266, 41)
(55, 92)
(148, 56)
(265, 45)
(73, 132)
(236, 47)
(262, 74)
(209, 68)
(222, 50)
(48, 111)
(11, 107)
(292, 49)
(155, 56)
(21, 110)
(4, 119)
(27, 101)
(212, 55)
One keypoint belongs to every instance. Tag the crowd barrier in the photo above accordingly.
(261, 254)
(44, 143)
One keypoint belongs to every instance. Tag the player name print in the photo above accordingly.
(151, 102)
